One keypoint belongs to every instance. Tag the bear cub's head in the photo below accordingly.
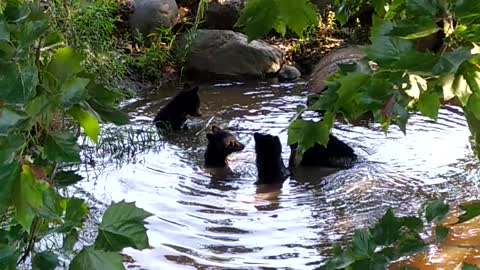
(221, 143)
(270, 167)
(174, 114)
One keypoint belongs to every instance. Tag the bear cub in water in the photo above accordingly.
(174, 114)
(337, 154)
(221, 143)
(270, 167)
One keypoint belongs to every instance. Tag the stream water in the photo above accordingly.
(205, 222)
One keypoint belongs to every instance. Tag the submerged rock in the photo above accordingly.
(151, 14)
(289, 73)
(328, 65)
(223, 14)
(224, 54)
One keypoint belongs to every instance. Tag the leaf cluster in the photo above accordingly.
(42, 84)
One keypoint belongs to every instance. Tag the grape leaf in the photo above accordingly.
(74, 90)
(9, 176)
(122, 226)
(413, 29)
(471, 210)
(45, 260)
(18, 81)
(9, 118)
(259, 17)
(92, 259)
(441, 232)
(436, 210)
(64, 64)
(88, 122)
(467, 8)
(62, 147)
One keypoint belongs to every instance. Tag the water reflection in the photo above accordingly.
(207, 219)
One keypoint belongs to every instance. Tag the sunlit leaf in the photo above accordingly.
(62, 147)
(45, 260)
(28, 197)
(441, 232)
(88, 122)
(474, 104)
(307, 133)
(75, 213)
(92, 259)
(65, 63)
(122, 226)
(52, 40)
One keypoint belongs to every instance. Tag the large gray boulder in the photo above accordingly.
(328, 65)
(223, 14)
(224, 54)
(148, 15)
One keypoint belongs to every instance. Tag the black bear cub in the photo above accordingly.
(337, 154)
(270, 167)
(221, 143)
(174, 114)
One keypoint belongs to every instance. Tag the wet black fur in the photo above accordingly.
(174, 114)
(221, 143)
(270, 167)
(337, 154)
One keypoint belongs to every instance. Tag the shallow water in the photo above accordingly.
(205, 222)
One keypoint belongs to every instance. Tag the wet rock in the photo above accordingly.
(223, 14)
(289, 73)
(224, 54)
(328, 65)
(148, 15)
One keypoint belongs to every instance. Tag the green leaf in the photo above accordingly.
(9, 176)
(451, 61)
(91, 259)
(32, 30)
(441, 232)
(413, 29)
(385, 48)
(75, 212)
(122, 226)
(362, 244)
(408, 268)
(307, 133)
(52, 40)
(28, 197)
(387, 229)
(410, 243)
(376, 262)
(18, 81)
(74, 90)
(62, 147)
(467, 8)
(69, 240)
(9, 119)
(350, 85)
(419, 8)
(467, 266)
(45, 260)
(67, 178)
(110, 115)
(9, 146)
(474, 104)
(52, 207)
(436, 210)
(471, 210)
(420, 63)
(429, 104)
(8, 257)
(64, 64)
(88, 122)
(4, 34)
(259, 17)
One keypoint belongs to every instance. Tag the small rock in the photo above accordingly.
(224, 54)
(289, 73)
(223, 14)
(151, 14)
